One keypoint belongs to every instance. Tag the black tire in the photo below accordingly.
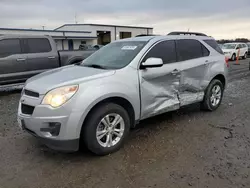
(207, 104)
(245, 56)
(90, 127)
(233, 58)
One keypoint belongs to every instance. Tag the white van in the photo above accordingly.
(231, 50)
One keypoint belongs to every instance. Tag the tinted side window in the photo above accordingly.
(189, 49)
(214, 45)
(9, 47)
(164, 50)
(38, 45)
(205, 51)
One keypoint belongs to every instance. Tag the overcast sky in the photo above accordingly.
(218, 18)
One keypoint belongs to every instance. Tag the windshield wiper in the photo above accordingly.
(95, 66)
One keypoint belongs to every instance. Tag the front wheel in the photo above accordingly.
(106, 129)
(213, 95)
(233, 58)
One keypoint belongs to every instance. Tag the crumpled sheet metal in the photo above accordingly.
(193, 82)
(189, 98)
(159, 96)
(163, 93)
(194, 79)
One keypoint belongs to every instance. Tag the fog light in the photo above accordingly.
(53, 129)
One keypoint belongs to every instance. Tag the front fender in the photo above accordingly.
(90, 96)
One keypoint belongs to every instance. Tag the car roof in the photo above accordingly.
(23, 36)
(167, 37)
(235, 43)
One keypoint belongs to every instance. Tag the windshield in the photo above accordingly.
(229, 46)
(115, 55)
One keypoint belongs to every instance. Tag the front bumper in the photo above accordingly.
(55, 144)
(39, 123)
(59, 145)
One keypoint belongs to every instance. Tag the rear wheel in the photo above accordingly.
(106, 129)
(213, 95)
(245, 56)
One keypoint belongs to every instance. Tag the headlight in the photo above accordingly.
(57, 97)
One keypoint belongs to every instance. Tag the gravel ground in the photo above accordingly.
(187, 148)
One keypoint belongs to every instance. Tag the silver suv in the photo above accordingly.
(97, 102)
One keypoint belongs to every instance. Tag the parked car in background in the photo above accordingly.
(22, 57)
(97, 102)
(231, 50)
(220, 45)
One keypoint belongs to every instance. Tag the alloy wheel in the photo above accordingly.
(110, 130)
(216, 95)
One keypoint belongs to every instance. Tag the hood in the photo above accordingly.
(48, 80)
(227, 50)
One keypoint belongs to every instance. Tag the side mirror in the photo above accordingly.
(152, 63)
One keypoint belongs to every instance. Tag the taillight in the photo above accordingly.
(227, 61)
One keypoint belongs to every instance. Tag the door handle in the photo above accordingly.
(175, 71)
(20, 59)
(51, 57)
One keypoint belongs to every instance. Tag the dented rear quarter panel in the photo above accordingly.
(196, 74)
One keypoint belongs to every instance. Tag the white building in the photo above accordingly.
(70, 36)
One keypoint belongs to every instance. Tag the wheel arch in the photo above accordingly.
(73, 60)
(220, 77)
(123, 102)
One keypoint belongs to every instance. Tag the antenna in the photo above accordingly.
(75, 18)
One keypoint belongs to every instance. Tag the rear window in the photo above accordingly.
(190, 49)
(38, 45)
(9, 47)
(214, 45)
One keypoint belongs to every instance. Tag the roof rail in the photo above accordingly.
(186, 33)
(145, 35)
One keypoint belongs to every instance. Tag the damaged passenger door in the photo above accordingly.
(159, 85)
(194, 62)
